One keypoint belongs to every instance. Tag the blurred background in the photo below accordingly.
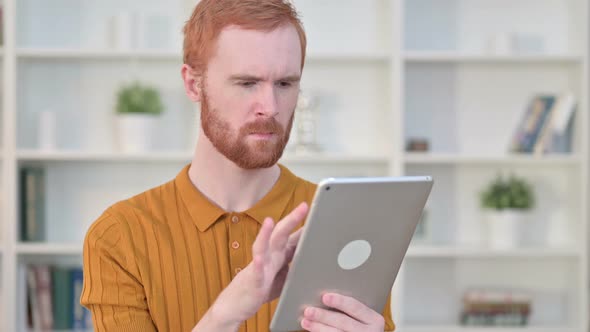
(490, 97)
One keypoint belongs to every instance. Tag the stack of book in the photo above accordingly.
(546, 126)
(53, 298)
(495, 308)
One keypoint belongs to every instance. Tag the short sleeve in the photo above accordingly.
(112, 290)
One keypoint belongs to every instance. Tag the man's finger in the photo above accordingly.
(294, 238)
(351, 307)
(258, 271)
(314, 326)
(260, 245)
(337, 320)
(292, 245)
(284, 228)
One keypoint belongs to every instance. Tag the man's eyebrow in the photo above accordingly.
(291, 78)
(246, 77)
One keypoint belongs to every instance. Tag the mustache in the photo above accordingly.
(262, 126)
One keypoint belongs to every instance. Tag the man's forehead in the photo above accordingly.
(277, 51)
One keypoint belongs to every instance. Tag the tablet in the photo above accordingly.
(355, 238)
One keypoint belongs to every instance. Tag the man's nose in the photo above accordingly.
(267, 102)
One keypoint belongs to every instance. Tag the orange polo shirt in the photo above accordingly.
(157, 261)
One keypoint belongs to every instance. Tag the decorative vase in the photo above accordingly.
(303, 134)
(504, 228)
(135, 132)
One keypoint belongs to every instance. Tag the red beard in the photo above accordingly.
(261, 154)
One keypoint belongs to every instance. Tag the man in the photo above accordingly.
(209, 250)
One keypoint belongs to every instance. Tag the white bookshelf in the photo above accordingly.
(466, 99)
(383, 71)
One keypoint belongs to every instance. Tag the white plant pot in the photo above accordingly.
(135, 132)
(504, 228)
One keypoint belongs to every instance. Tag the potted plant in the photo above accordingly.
(507, 202)
(138, 107)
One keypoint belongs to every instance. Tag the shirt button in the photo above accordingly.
(235, 219)
(235, 245)
(238, 270)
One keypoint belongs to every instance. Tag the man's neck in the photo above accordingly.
(224, 183)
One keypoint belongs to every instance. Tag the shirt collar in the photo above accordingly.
(205, 213)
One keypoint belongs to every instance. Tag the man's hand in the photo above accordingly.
(262, 280)
(353, 316)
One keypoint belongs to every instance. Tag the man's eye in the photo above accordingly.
(284, 84)
(247, 84)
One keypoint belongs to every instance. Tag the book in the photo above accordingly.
(562, 131)
(61, 290)
(1, 25)
(44, 294)
(527, 121)
(33, 308)
(1, 307)
(32, 204)
(79, 312)
(557, 136)
(541, 109)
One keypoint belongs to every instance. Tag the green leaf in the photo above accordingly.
(136, 98)
(511, 193)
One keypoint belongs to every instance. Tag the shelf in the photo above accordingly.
(458, 57)
(57, 53)
(65, 156)
(413, 251)
(334, 158)
(168, 55)
(323, 158)
(531, 160)
(438, 328)
(423, 251)
(48, 249)
(350, 57)
(77, 330)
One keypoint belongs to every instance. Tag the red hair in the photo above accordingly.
(211, 16)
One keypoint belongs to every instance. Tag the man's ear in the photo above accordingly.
(192, 83)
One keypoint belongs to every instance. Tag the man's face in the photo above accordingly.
(249, 93)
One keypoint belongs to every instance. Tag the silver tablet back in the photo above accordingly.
(356, 235)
